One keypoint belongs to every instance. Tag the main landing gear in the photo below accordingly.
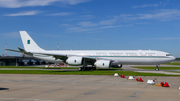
(86, 68)
(157, 69)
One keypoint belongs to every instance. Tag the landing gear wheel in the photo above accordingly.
(94, 68)
(83, 68)
(157, 69)
(88, 68)
(80, 68)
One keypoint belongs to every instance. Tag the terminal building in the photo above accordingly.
(20, 61)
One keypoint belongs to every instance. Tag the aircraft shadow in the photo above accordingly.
(112, 69)
(74, 70)
(4, 88)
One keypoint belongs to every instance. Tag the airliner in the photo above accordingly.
(92, 59)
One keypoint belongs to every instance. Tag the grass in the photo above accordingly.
(43, 67)
(60, 68)
(21, 67)
(161, 68)
(174, 63)
(38, 67)
(96, 72)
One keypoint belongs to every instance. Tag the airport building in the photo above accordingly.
(20, 61)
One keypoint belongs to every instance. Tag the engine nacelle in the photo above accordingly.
(103, 64)
(75, 61)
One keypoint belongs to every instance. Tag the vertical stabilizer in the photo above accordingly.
(28, 42)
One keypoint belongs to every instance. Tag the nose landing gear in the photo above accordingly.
(157, 69)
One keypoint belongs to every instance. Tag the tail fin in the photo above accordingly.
(28, 42)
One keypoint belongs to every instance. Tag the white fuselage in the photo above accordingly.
(130, 57)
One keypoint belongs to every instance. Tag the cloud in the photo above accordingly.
(26, 3)
(107, 22)
(81, 29)
(61, 14)
(152, 5)
(25, 13)
(73, 2)
(83, 17)
(65, 25)
(147, 5)
(87, 17)
(114, 22)
(164, 4)
(87, 24)
(105, 27)
(162, 15)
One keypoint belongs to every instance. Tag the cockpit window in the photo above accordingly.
(168, 55)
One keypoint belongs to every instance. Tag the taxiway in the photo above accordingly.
(23, 87)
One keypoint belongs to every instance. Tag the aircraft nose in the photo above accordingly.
(173, 58)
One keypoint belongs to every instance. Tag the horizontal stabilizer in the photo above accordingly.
(20, 51)
(12, 50)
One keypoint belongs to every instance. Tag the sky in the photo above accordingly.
(92, 24)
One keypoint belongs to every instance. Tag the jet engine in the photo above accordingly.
(103, 64)
(75, 61)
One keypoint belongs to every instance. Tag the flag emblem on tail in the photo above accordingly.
(103, 64)
(28, 41)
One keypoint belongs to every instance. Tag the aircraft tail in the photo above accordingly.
(29, 43)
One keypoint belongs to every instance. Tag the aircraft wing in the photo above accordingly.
(56, 56)
(64, 57)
